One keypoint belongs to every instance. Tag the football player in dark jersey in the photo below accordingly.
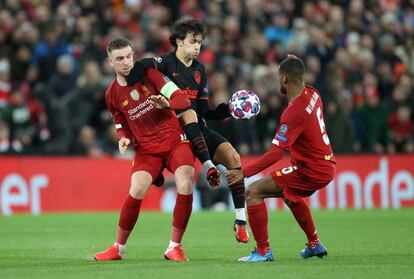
(183, 68)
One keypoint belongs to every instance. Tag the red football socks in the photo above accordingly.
(127, 219)
(258, 223)
(181, 215)
(304, 218)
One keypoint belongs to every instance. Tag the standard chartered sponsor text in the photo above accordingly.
(139, 110)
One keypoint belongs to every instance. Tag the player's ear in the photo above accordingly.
(285, 79)
(179, 42)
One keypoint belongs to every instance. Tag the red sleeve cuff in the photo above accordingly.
(123, 134)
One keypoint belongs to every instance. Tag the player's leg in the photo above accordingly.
(181, 164)
(295, 189)
(226, 155)
(258, 218)
(189, 123)
(140, 182)
(143, 174)
(303, 216)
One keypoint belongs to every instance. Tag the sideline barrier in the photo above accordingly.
(62, 184)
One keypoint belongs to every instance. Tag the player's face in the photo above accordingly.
(122, 60)
(191, 45)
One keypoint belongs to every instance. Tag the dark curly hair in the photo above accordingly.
(181, 28)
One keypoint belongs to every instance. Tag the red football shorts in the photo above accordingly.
(180, 155)
(296, 185)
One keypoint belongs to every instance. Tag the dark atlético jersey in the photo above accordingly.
(302, 131)
(192, 80)
(154, 129)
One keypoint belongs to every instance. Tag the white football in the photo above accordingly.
(244, 104)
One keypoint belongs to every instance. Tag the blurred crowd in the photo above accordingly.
(359, 55)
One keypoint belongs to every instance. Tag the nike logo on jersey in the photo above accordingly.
(174, 74)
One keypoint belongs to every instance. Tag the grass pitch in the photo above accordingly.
(361, 244)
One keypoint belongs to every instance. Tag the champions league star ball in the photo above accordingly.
(244, 104)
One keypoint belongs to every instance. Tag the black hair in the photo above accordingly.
(117, 43)
(293, 68)
(182, 27)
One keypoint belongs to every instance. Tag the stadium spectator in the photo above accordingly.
(5, 84)
(6, 147)
(402, 129)
(340, 128)
(374, 118)
(340, 42)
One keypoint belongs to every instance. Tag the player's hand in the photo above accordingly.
(123, 144)
(234, 176)
(159, 101)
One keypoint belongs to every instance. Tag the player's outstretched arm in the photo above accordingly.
(137, 72)
(172, 97)
(220, 112)
(274, 154)
(176, 102)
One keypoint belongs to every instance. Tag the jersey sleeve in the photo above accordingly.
(273, 155)
(137, 72)
(290, 127)
(161, 83)
(118, 118)
(160, 64)
(203, 90)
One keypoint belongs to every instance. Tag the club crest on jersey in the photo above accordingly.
(134, 95)
(197, 76)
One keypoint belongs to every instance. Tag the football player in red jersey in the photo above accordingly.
(159, 143)
(302, 131)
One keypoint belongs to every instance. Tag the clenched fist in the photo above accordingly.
(123, 144)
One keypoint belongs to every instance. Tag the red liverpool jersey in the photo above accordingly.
(302, 131)
(154, 130)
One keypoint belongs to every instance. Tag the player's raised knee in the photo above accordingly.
(234, 158)
(188, 116)
(252, 192)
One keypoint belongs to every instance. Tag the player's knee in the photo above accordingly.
(184, 177)
(234, 159)
(138, 191)
(188, 116)
(185, 187)
(251, 192)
